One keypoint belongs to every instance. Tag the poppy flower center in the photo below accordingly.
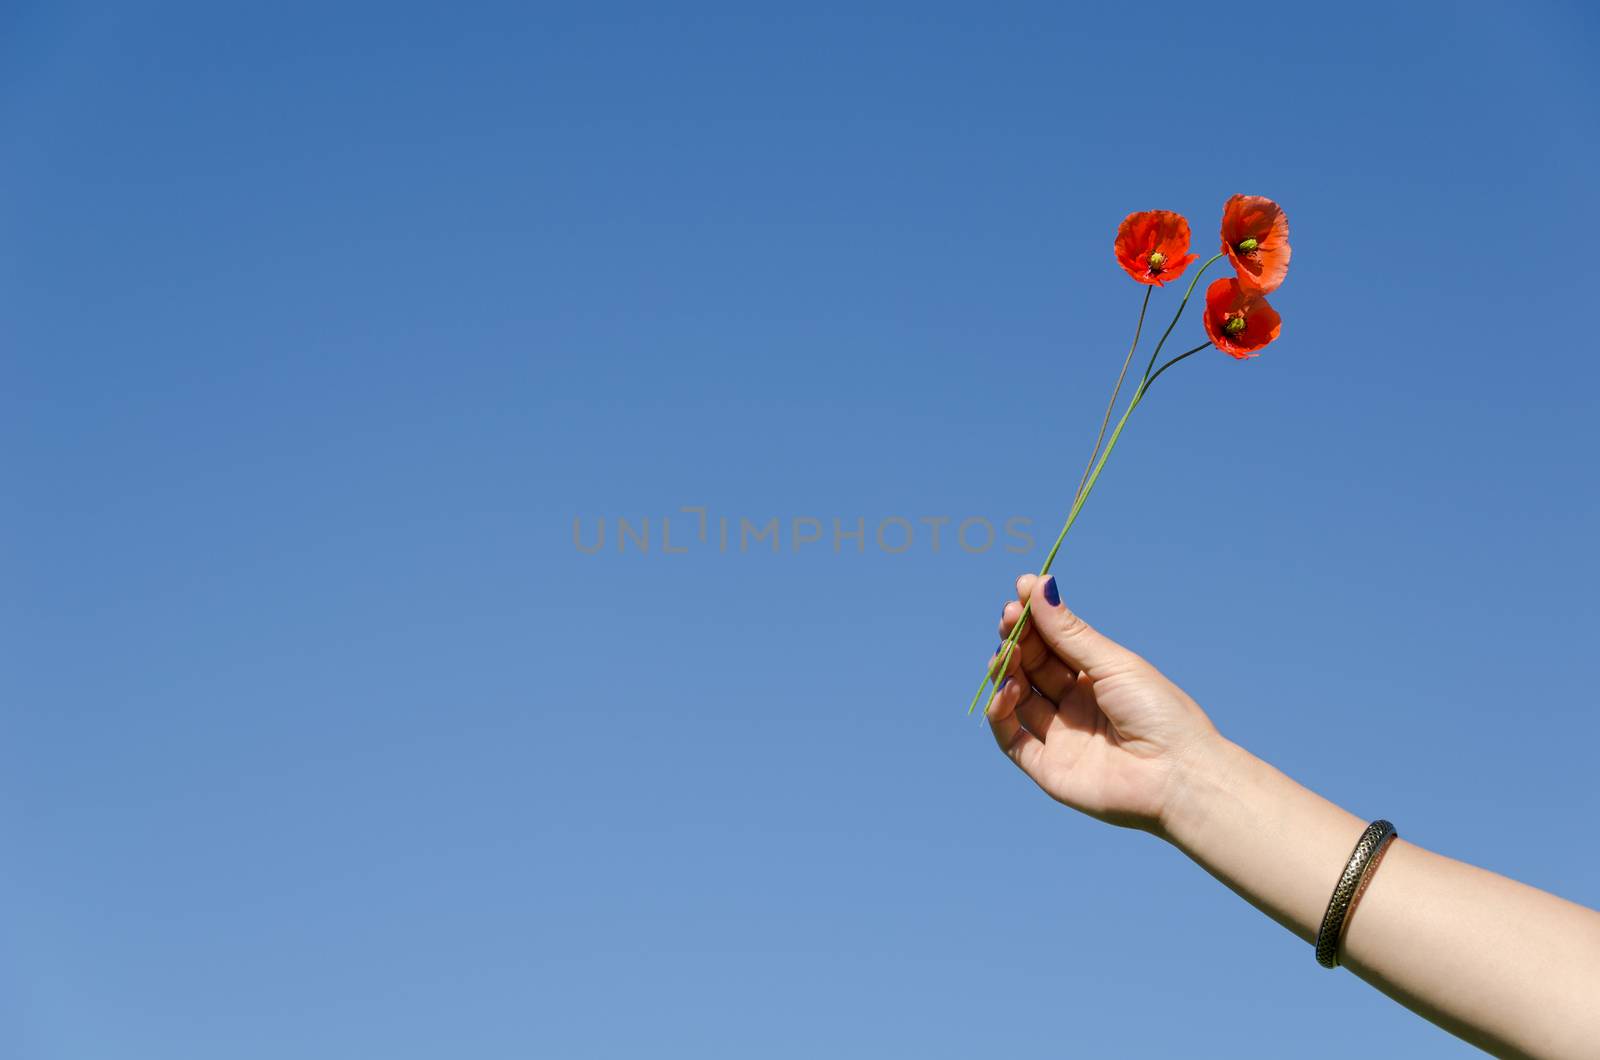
(1245, 246)
(1157, 259)
(1234, 325)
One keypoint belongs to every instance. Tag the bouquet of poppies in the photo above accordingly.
(1153, 248)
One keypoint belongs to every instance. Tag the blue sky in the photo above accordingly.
(322, 325)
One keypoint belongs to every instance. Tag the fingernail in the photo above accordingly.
(997, 648)
(1003, 685)
(1051, 595)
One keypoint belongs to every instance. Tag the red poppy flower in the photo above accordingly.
(1153, 246)
(1255, 236)
(1238, 319)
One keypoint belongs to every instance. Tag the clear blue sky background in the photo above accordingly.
(322, 323)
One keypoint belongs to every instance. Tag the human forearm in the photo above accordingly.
(1505, 966)
(1277, 844)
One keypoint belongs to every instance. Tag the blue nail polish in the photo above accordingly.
(1003, 685)
(997, 648)
(1051, 595)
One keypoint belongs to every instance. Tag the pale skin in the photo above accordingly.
(1509, 968)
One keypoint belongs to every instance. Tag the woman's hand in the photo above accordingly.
(1509, 968)
(1093, 724)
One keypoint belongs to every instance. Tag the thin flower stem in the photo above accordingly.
(1175, 360)
(1111, 406)
(1196, 279)
(1072, 517)
(1087, 483)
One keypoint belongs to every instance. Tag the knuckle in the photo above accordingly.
(1070, 625)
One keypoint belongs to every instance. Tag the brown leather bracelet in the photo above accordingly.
(1352, 884)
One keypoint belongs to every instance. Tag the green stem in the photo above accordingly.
(1175, 360)
(1111, 406)
(1193, 280)
(1072, 517)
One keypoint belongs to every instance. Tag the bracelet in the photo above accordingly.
(1352, 884)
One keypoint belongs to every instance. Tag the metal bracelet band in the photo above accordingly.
(1366, 877)
(1369, 849)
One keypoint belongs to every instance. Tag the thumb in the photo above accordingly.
(1070, 637)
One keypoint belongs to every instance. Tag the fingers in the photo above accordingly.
(1015, 742)
(1016, 671)
(1043, 669)
(1021, 743)
(1017, 702)
(1037, 714)
(1003, 721)
(1072, 639)
(999, 705)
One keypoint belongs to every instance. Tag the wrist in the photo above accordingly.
(1271, 840)
(1200, 781)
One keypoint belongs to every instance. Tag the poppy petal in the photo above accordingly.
(1255, 236)
(1238, 320)
(1143, 235)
